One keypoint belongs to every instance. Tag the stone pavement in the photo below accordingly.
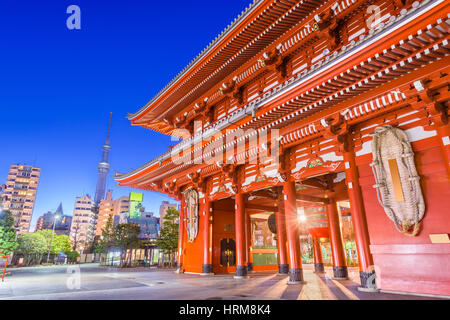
(97, 282)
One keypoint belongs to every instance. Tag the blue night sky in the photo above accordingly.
(57, 86)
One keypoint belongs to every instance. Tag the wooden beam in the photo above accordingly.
(313, 183)
(305, 197)
(260, 207)
(264, 193)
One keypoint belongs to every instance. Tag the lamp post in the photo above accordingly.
(51, 239)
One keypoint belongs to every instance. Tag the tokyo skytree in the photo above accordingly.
(100, 191)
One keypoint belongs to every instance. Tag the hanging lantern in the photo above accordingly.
(272, 223)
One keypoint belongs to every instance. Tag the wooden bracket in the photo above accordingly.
(198, 181)
(337, 128)
(329, 27)
(427, 99)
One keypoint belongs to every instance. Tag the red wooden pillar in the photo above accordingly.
(318, 261)
(181, 235)
(241, 264)
(290, 210)
(207, 265)
(248, 242)
(359, 219)
(444, 141)
(283, 265)
(340, 271)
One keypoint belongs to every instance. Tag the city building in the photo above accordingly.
(163, 208)
(40, 222)
(19, 194)
(149, 225)
(100, 190)
(110, 207)
(62, 223)
(299, 113)
(81, 221)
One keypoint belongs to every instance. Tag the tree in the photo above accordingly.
(8, 234)
(32, 246)
(72, 256)
(76, 228)
(99, 248)
(108, 239)
(126, 238)
(61, 243)
(168, 235)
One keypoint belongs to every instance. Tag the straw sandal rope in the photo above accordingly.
(392, 143)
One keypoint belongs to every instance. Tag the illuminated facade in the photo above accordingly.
(20, 194)
(110, 207)
(62, 223)
(81, 222)
(325, 122)
(163, 208)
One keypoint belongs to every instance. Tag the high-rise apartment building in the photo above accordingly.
(81, 221)
(162, 211)
(45, 221)
(20, 194)
(110, 207)
(62, 222)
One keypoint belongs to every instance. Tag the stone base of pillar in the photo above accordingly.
(318, 268)
(283, 269)
(295, 276)
(207, 270)
(367, 282)
(241, 272)
(179, 268)
(250, 267)
(340, 273)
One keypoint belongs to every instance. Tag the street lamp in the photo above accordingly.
(51, 239)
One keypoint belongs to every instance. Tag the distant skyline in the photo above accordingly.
(57, 86)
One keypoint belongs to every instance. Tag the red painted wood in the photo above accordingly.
(240, 230)
(444, 133)
(206, 232)
(271, 267)
(181, 231)
(413, 268)
(220, 220)
(248, 239)
(337, 248)
(292, 232)
(193, 251)
(317, 251)
(411, 264)
(358, 213)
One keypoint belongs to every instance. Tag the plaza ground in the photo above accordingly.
(50, 283)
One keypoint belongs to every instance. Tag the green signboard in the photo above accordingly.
(135, 205)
